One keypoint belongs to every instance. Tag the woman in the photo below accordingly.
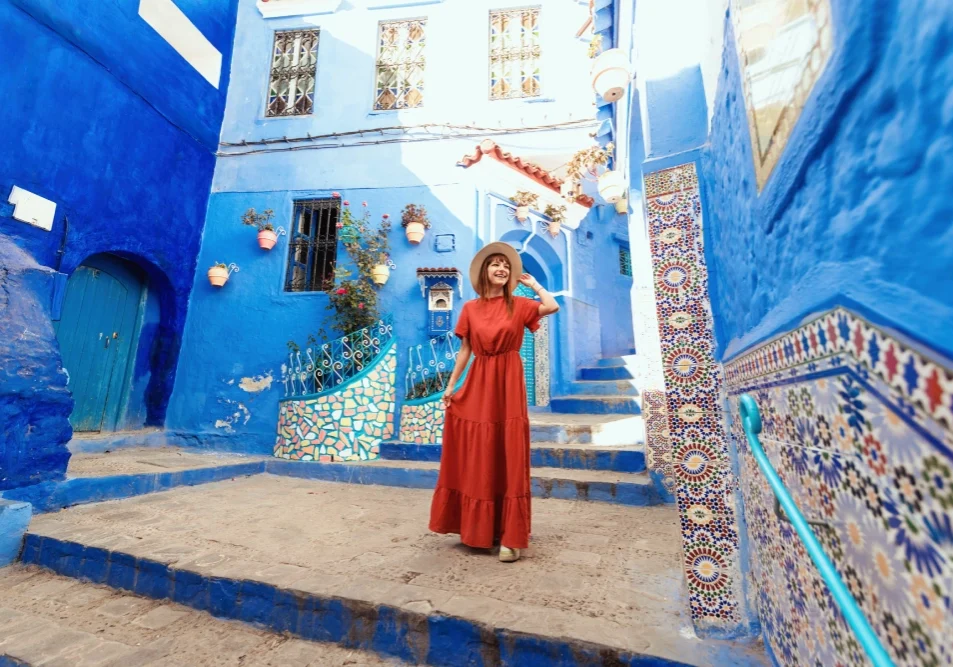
(483, 491)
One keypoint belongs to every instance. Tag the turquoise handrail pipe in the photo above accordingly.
(751, 420)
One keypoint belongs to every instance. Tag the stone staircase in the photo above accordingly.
(606, 388)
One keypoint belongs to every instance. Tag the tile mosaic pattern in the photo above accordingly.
(857, 424)
(542, 363)
(347, 424)
(658, 441)
(703, 482)
(422, 423)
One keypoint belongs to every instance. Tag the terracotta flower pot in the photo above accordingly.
(218, 276)
(380, 273)
(612, 186)
(267, 239)
(415, 232)
(522, 212)
(610, 74)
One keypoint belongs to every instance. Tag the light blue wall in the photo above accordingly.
(857, 212)
(677, 113)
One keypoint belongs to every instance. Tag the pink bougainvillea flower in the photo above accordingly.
(342, 291)
(336, 195)
(360, 306)
(346, 202)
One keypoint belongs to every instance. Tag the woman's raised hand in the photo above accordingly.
(528, 281)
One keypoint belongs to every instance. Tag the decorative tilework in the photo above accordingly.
(346, 424)
(542, 359)
(422, 423)
(690, 447)
(857, 424)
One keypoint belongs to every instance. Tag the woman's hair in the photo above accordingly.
(483, 284)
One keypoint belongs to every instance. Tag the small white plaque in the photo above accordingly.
(32, 209)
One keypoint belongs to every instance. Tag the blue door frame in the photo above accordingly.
(528, 352)
(98, 334)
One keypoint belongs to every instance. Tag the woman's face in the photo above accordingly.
(498, 271)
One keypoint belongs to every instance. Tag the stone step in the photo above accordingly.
(606, 486)
(596, 429)
(618, 405)
(605, 373)
(603, 388)
(544, 455)
(49, 619)
(626, 360)
(356, 566)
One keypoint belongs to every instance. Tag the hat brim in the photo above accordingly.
(497, 248)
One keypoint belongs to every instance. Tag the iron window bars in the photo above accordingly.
(400, 64)
(294, 63)
(514, 53)
(312, 251)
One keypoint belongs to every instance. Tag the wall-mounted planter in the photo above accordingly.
(612, 186)
(267, 239)
(218, 274)
(380, 273)
(522, 212)
(610, 74)
(415, 232)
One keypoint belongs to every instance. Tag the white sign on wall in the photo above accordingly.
(32, 209)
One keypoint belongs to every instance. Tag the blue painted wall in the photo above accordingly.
(858, 210)
(677, 113)
(105, 119)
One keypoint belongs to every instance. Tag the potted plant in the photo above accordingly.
(380, 272)
(595, 46)
(610, 74)
(557, 215)
(589, 161)
(415, 222)
(267, 238)
(524, 200)
(218, 274)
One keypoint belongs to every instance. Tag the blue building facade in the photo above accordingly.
(113, 125)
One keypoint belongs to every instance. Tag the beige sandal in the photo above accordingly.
(508, 555)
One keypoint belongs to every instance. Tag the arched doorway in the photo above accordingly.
(528, 352)
(98, 335)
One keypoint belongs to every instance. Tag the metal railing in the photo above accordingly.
(429, 366)
(319, 368)
(751, 420)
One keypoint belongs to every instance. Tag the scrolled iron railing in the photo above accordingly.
(751, 420)
(319, 368)
(429, 366)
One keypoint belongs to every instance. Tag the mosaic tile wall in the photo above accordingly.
(422, 423)
(859, 426)
(347, 424)
(658, 441)
(704, 483)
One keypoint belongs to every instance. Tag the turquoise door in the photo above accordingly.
(96, 333)
(528, 352)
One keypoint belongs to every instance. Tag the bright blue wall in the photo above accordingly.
(677, 113)
(116, 128)
(862, 212)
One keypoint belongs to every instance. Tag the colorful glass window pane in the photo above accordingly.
(400, 65)
(293, 66)
(625, 261)
(514, 54)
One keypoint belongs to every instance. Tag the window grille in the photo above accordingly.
(514, 53)
(312, 251)
(400, 64)
(625, 261)
(294, 63)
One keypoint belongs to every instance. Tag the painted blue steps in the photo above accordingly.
(543, 455)
(605, 373)
(596, 405)
(603, 388)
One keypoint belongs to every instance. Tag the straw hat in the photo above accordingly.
(497, 248)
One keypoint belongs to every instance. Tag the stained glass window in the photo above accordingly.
(514, 53)
(294, 62)
(400, 64)
(625, 261)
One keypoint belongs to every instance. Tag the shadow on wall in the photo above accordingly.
(34, 402)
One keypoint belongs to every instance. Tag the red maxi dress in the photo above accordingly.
(483, 491)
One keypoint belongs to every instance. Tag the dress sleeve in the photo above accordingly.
(463, 325)
(530, 310)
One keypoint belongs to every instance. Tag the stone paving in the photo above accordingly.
(595, 572)
(149, 460)
(55, 621)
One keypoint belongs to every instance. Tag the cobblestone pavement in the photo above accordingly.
(55, 621)
(597, 572)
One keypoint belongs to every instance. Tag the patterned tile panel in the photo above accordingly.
(857, 424)
(422, 423)
(658, 440)
(695, 440)
(347, 424)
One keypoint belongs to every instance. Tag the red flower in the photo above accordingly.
(364, 204)
(360, 306)
(385, 216)
(336, 195)
(347, 203)
(342, 291)
(340, 225)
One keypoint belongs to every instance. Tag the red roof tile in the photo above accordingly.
(533, 171)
